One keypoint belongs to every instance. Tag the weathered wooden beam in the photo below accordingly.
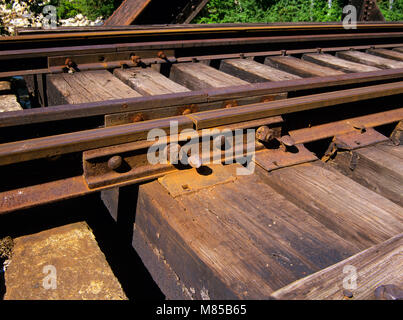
(148, 82)
(379, 265)
(378, 167)
(300, 67)
(197, 76)
(235, 239)
(252, 71)
(369, 59)
(330, 61)
(340, 203)
(87, 86)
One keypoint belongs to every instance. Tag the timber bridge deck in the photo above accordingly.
(327, 187)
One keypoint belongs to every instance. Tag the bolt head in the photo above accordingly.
(264, 133)
(115, 162)
(348, 294)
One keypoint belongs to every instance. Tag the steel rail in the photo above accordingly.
(272, 26)
(28, 197)
(168, 29)
(180, 44)
(149, 61)
(65, 112)
(213, 118)
(31, 149)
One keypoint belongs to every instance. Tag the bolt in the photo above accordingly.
(162, 55)
(242, 55)
(115, 162)
(135, 59)
(319, 50)
(70, 63)
(283, 52)
(139, 117)
(348, 294)
(268, 99)
(194, 59)
(186, 111)
(264, 134)
(230, 104)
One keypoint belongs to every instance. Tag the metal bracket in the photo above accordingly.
(129, 162)
(188, 181)
(361, 137)
(105, 60)
(272, 159)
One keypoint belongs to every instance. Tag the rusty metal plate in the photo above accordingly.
(188, 181)
(358, 139)
(272, 159)
(104, 57)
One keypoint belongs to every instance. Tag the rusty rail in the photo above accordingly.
(15, 152)
(64, 112)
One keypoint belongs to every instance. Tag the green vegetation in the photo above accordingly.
(394, 14)
(89, 8)
(226, 11)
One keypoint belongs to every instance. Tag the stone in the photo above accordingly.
(8, 102)
(63, 263)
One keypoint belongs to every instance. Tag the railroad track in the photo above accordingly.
(326, 186)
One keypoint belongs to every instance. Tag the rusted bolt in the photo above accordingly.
(186, 111)
(69, 63)
(268, 99)
(135, 59)
(348, 294)
(388, 292)
(139, 117)
(230, 104)
(264, 133)
(162, 55)
(115, 162)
